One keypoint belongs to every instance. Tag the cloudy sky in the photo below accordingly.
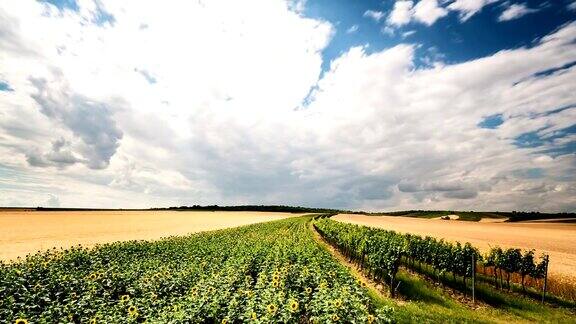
(373, 105)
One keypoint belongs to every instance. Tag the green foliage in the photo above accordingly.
(270, 272)
(510, 261)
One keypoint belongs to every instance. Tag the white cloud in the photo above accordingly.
(376, 15)
(408, 33)
(468, 8)
(391, 101)
(572, 5)
(401, 13)
(425, 11)
(219, 125)
(352, 29)
(428, 11)
(515, 11)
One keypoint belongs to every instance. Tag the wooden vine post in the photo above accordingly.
(547, 260)
(473, 278)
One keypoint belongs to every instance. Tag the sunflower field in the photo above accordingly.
(262, 273)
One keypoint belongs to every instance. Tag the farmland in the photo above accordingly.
(556, 239)
(27, 231)
(299, 269)
(267, 272)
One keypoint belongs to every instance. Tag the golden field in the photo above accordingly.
(26, 231)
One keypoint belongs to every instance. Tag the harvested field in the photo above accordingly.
(556, 239)
(23, 232)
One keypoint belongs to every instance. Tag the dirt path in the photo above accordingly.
(556, 239)
(376, 288)
(23, 232)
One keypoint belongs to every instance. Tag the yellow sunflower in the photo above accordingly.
(293, 305)
(370, 318)
(254, 316)
(132, 310)
(272, 308)
(93, 276)
(124, 298)
(308, 290)
(224, 321)
(21, 321)
(338, 303)
(93, 321)
(275, 284)
(210, 289)
(335, 317)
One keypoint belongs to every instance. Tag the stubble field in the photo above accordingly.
(25, 231)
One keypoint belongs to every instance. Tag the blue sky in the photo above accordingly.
(373, 105)
(456, 41)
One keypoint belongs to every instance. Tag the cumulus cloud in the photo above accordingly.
(425, 11)
(227, 121)
(428, 11)
(515, 11)
(401, 13)
(89, 120)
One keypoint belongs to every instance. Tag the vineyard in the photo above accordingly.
(382, 252)
(270, 272)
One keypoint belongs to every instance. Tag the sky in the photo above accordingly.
(363, 105)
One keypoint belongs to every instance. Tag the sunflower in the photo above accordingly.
(93, 321)
(293, 305)
(272, 308)
(323, 285)
(275, 284)
(125, 298)
(93, 276)
(337, 303)
(254, 316)
(308, 290)
(276, 277)
(335, 317)
(370, 318)
(21, 321)
(133, 311)
(211, 289)
(224, 321)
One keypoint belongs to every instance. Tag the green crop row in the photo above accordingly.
(269, 272)
(381, 253)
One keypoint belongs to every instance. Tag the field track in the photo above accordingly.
(23, 232)
(556, 239)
